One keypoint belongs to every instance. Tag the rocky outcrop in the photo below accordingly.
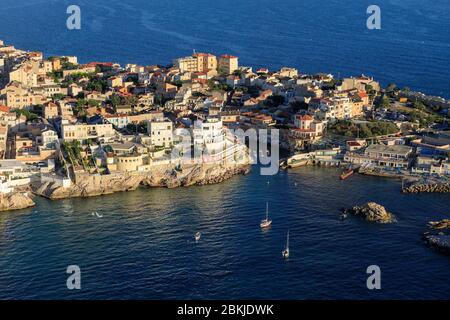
(438, 235)
(372, 212)
(439, 225)
(427, 187)
(440, 242)
(194, 175)
(15, 201)
(89, 186)
(164, 176)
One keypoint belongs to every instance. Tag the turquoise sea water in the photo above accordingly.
(143, 245)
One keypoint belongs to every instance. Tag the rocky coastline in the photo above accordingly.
(15, 201)
(87, 185)
(372, 212)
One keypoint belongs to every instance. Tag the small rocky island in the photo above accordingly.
(372, 212)
(438, 235)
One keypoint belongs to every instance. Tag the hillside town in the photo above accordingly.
(61, 119)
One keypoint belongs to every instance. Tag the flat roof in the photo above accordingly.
(11, 164)
(398, 149)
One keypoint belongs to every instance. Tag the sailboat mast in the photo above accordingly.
(287, 243)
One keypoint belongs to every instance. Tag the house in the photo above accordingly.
(167, 90)
(14, 173)
(114, 82)
(307, 128)
(426, 164)
(230, 116)
(354, 145)
(74, 90)
(50, 110)
(48, 139)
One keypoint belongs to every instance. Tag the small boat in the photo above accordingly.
(285, 252)
(266, 222)
(197, 236)
(346, 174)
(343, 216)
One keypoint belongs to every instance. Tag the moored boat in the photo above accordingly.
(346, 174)
(285, 252)
(266, 222)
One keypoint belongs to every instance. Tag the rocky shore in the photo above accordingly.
(438, 235)
(372, 212)
(87, 185)
(427, 187)
(15, 201)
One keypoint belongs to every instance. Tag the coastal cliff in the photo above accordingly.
(15, 201)
(94, 185)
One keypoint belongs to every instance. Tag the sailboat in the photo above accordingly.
(266, 222)
(197, 236)
(285, 252)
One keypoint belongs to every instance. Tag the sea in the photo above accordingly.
(140, 245)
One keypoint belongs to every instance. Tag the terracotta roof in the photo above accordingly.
(95, 63)
(4, 109)
(227, 56)
(306, 117)
(362, 94)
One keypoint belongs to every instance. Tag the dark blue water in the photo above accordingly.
(412, 48)
(143, 247)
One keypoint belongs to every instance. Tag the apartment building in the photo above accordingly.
(209, 135)
(198, 62)
(187, 64)
(227, 64)
(22, 98)
(205, 62)
(85, 131)
(160, 132)
(122, 120)
(25, 75)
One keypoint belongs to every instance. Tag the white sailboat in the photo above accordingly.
(285, 252)
(266, 222)
(197, 236)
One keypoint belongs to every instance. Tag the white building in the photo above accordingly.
(209, 135)
(48, 139)
(160, 132)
